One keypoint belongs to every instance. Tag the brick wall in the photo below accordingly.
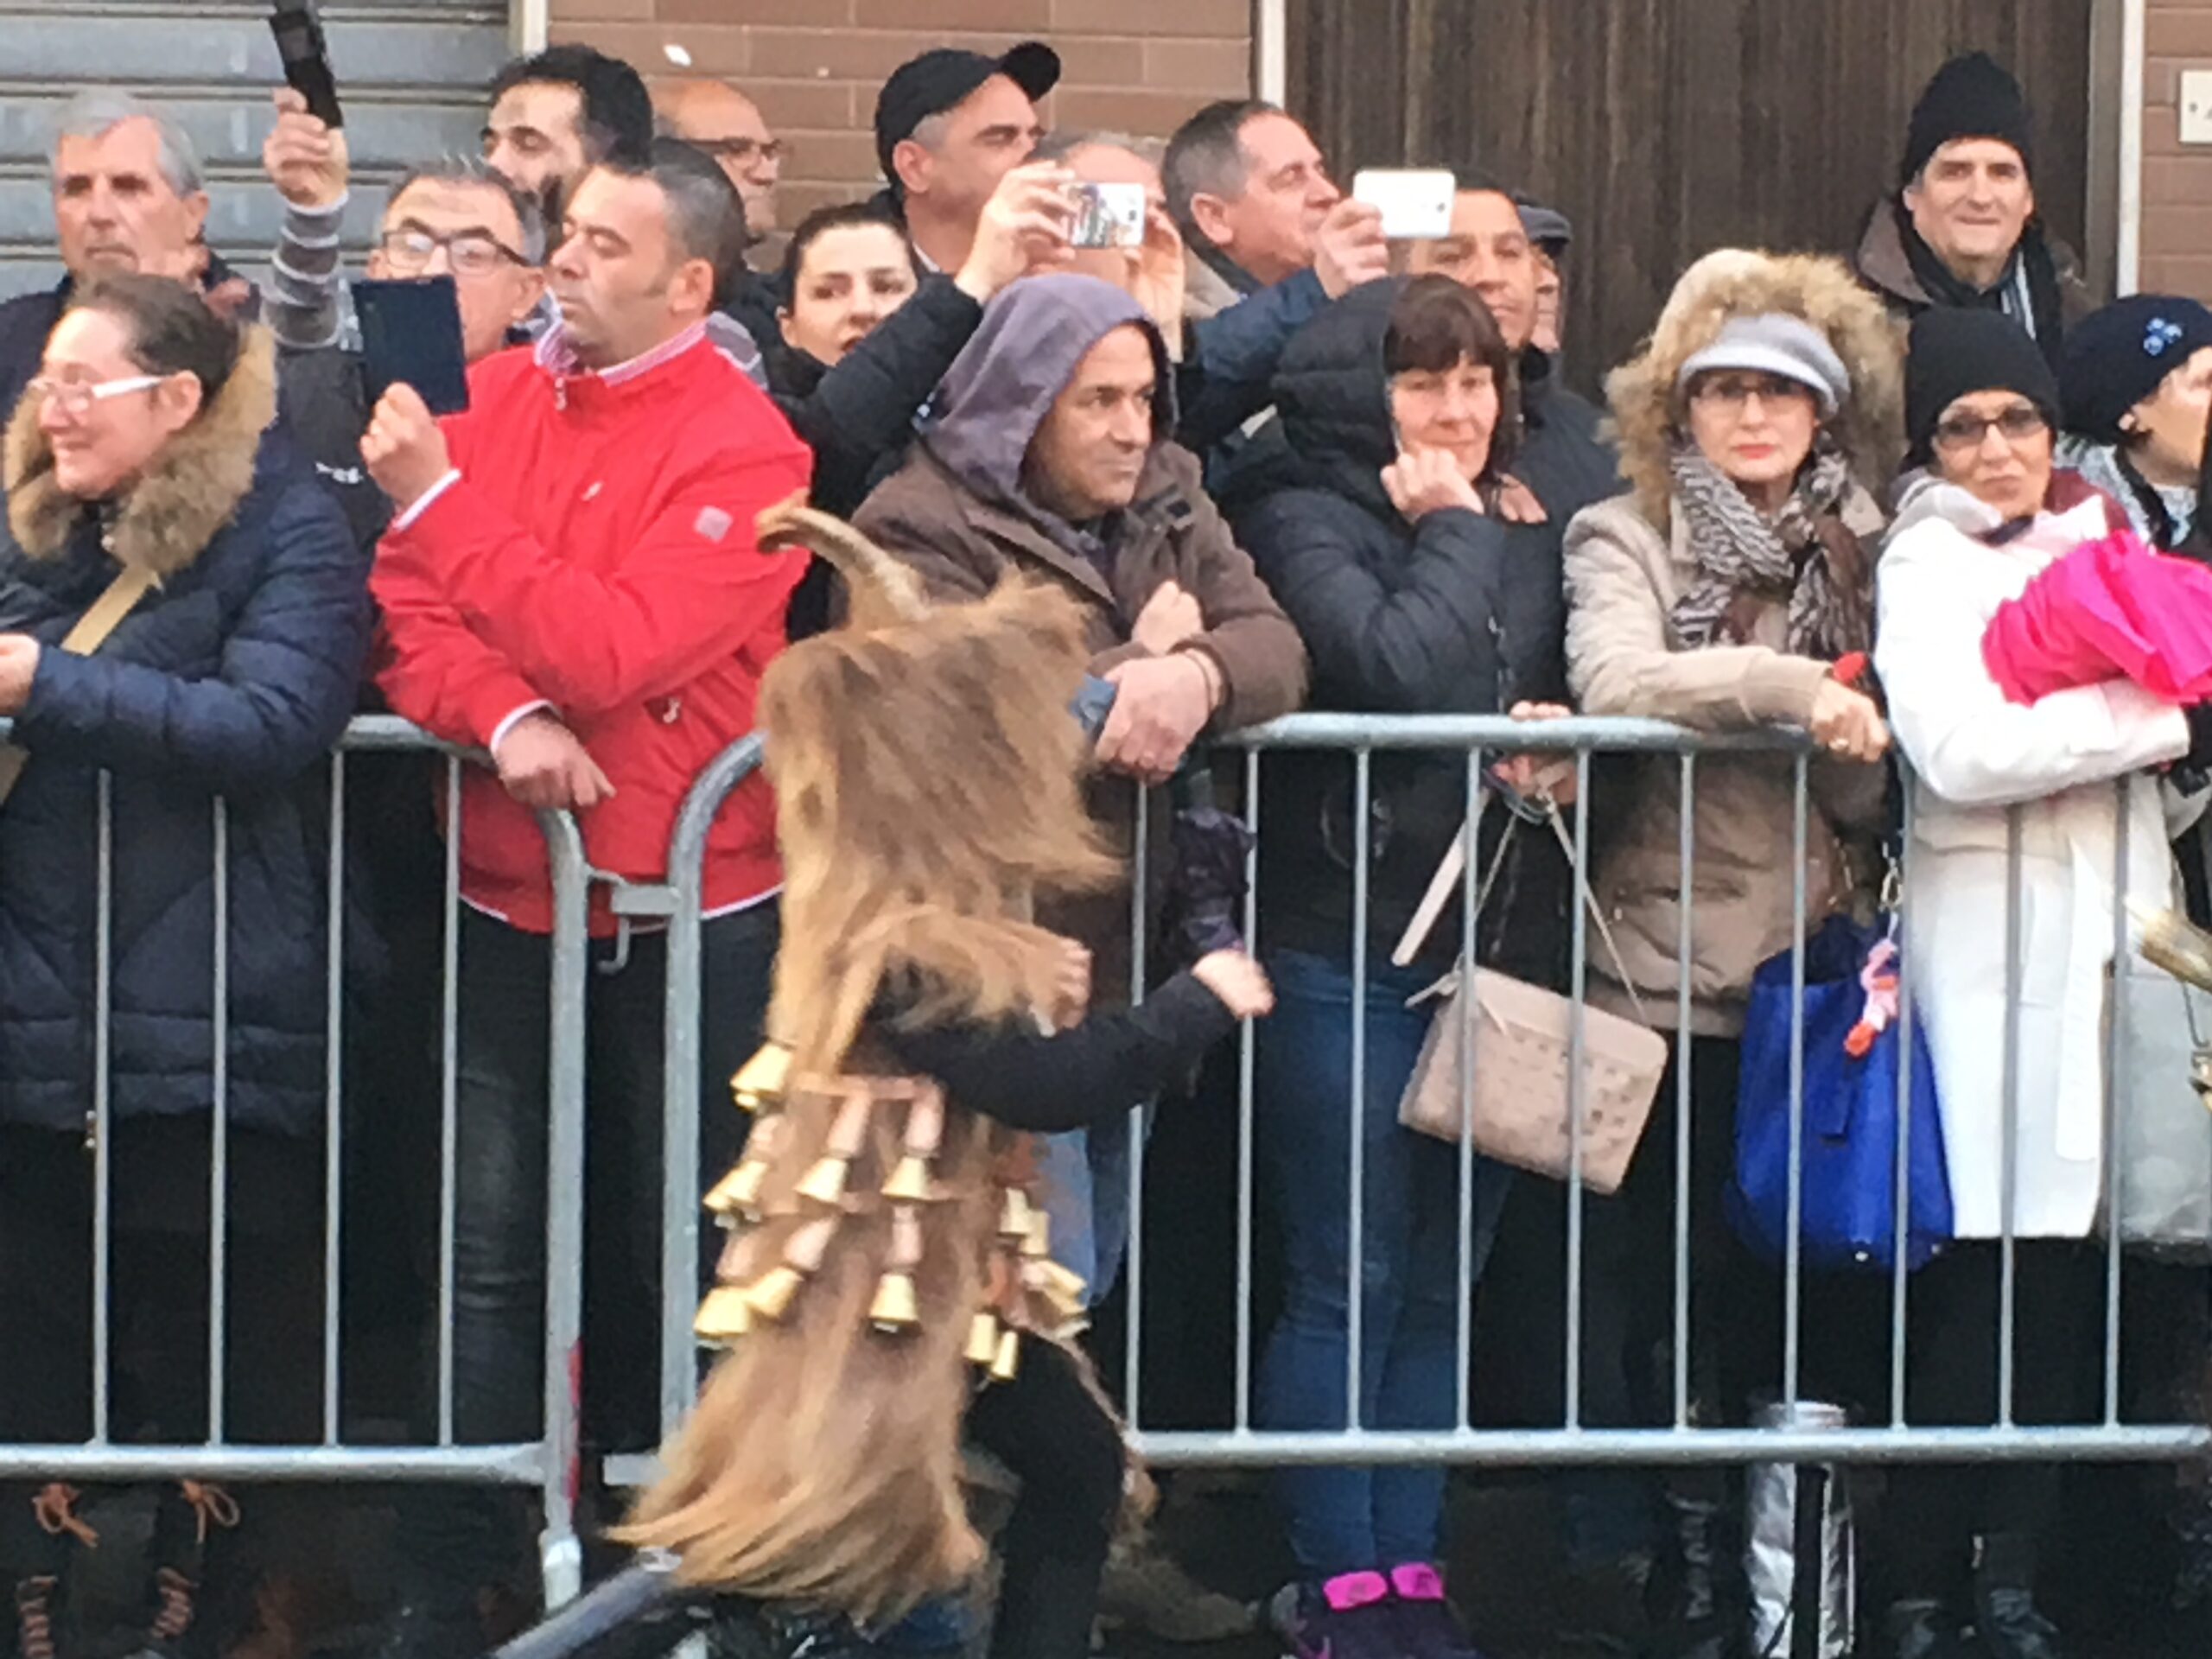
(1134, 66)
(2176, 182)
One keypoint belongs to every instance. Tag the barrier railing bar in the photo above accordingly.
(1577, 1047)
(219, 1213)
(1247, 1050)
(1793, 1293)
(103, 1139)
(2008, 1247)
(1908, 1029)
(1684, 1143)
(333, 986)
(1463, 1035)
(560, 1552)
(2118, 1081)
(449, 1100)
(1355, 1271)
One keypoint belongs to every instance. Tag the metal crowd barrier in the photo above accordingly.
(1481, 740)
(548, 1463)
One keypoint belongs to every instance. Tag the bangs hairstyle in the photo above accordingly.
(855, 215)
(1439, 323)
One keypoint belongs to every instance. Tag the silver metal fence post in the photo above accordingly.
(1463, 1351)
(683, 1108)
(449, 1100)
(1355, 1271)
(1684, 1144)
(561, 1552)
(103, 1117)
(1246, 1045)
(2119, 1083)
(334, 985)
(1908, 1034)
(1792, 1292)
(1577, 1093)
(2009, 1268)
(1132, 1356)
(219, 1216)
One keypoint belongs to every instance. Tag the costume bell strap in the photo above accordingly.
(55, 1510)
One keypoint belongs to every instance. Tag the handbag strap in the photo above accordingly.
(117, 601)
(1597, 914)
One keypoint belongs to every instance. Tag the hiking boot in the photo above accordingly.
(1352, 1616)
(2007, 1624)
(1427, 1628)
(1146, 1590)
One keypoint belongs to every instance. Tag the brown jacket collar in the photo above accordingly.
(184, 498)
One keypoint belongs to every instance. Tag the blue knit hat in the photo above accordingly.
(2112, 361)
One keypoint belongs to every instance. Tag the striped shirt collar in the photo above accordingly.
(557, 355)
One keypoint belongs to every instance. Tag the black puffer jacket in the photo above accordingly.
(1459, 613)
(234, 676)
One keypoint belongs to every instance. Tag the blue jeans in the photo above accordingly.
(1347, 1519)
(1085, 1189)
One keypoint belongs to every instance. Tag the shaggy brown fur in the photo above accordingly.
(927, 772)
(1647, 410)
(185, 497)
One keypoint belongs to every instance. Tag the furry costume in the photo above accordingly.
(885, 1252)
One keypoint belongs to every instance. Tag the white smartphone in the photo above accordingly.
(1416, 202)
(1108, 216)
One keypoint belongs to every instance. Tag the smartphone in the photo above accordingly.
(1416, 202)
(1108, 216)
(306, 58)
(411, 332)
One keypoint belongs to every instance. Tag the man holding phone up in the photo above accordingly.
(570, 582)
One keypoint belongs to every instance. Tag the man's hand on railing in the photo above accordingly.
(545, 766)
(1162, 704)
(1170, 618)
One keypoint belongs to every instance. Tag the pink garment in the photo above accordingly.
(2110, 609)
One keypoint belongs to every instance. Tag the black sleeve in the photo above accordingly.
(1109, 1064)
(861, 412)
(1532, 617)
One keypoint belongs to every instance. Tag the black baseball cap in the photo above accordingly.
(942, 78)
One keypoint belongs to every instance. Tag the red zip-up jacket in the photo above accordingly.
(596, 552)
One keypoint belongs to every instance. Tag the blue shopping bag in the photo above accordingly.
(1848, 1216)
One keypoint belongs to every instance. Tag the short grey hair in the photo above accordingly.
(470, 172)
(98, 110)
(1064, 143)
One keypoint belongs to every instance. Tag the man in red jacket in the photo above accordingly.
(571, 582)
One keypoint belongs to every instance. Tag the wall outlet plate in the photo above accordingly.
(2196, 106)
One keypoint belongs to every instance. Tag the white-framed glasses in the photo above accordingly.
(76, 398)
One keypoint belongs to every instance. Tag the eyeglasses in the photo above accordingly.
(471, 253)
(742, 150)
(1730, 392)
(75, 398)
(2015, 424)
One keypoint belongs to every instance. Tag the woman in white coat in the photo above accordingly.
(1992, 512)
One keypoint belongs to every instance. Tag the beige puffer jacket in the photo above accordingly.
(1627, 560)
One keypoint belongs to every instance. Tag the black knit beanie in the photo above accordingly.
(1973, 96)
(1953, 352)
(2115, 359)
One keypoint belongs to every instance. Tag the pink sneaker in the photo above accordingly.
(1427, 1627)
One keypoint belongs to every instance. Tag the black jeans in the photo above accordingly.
(158, 1301)
(455, 1541)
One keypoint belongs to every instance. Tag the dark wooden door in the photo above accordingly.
(1665, 128)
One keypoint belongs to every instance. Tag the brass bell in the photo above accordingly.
(895, 1308)
(738, 1193)
(723, 1317)
(1007, 1361)
(770, 1295)
(1061, 1286)
(910, 1182)
(825, 1182)
(761, 1079)
(982, 1339)
(1014, 1214)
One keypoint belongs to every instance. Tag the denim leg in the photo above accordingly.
(1109, 1152)
(1305, 1080)
(1063, 1187)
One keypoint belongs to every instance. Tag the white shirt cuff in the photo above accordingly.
(499, 732)
(423, 501)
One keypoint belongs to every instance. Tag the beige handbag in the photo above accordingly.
(1520, 1038)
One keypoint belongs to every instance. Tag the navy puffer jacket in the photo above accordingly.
(232, 677)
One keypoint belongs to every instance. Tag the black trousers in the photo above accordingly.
(1047, 1427)
(456, 1540)
(159, 1295)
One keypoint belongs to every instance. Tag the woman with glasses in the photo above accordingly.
(183, 618)
(2005, 789)
(1732, 588)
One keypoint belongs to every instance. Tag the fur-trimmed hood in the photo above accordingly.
(1647, 409)
(192, 490)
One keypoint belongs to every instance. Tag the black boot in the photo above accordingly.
(1696, 1597)
(185, 1516)
(2007, 1624)
(38, 1574)
(1924, 1630)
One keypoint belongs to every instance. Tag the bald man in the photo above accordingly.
(726, 123)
